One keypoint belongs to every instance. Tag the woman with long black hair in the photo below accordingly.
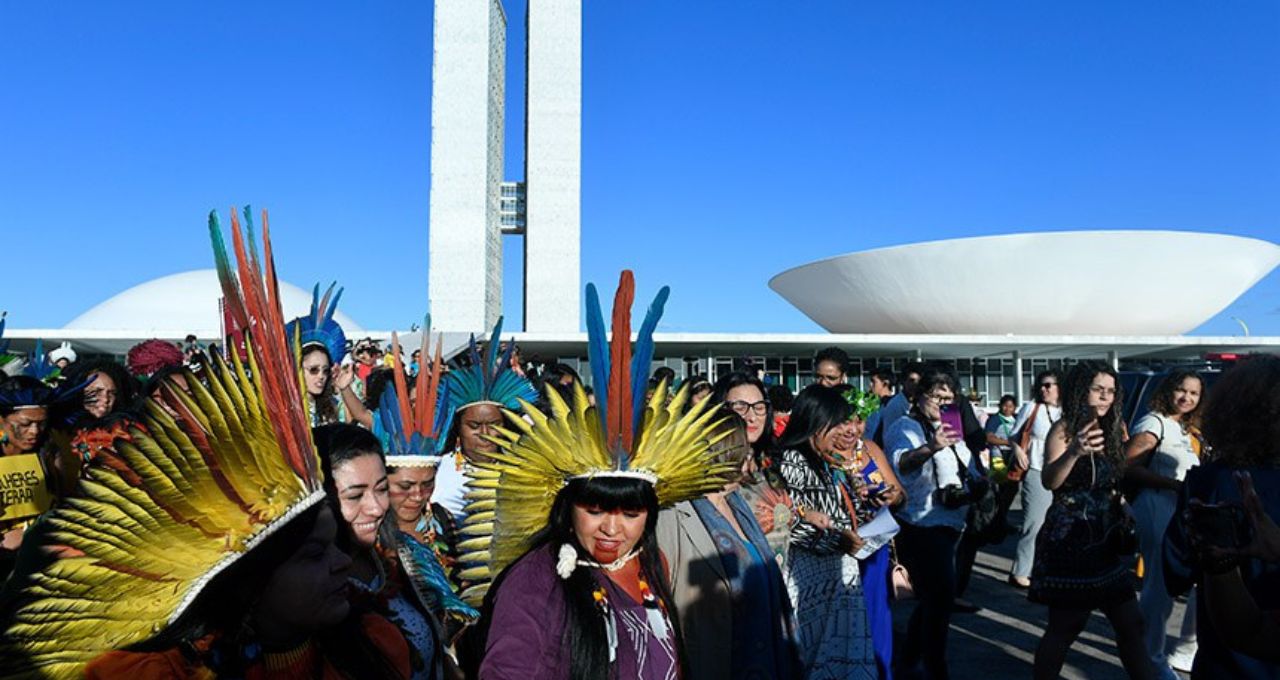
(599, 620)
(1078, 565)
(824, 575)
(587, 597)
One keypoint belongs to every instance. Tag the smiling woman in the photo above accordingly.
(359, 493)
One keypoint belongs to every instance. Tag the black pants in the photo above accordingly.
(966, 555)
(929, 554)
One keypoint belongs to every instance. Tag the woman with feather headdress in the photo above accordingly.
(566, 510)
(201, 548)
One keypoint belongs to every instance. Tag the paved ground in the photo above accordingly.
(999, 641)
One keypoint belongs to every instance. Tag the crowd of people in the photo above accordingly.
(298, 506)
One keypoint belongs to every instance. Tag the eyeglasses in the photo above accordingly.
(741, 407)
(314, 370)
(1102, 391)
(1045, 386)
(940, 400)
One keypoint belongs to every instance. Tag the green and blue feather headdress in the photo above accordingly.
(489, 379)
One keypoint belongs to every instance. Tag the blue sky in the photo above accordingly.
(722, 141)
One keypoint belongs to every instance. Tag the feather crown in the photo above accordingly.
(318, 327)
(153, 522)
(410, 432)
(489, 379)
(40, 367)
(657, 440)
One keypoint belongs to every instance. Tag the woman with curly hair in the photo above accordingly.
(1157, 457)
(1078, 565)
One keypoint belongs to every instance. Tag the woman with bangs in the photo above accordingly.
(1079, 563)
(612, 521)
(1158, 456)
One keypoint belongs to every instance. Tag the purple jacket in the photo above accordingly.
(527, 638)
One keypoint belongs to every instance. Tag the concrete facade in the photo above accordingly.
(553, 166)
(468, 90)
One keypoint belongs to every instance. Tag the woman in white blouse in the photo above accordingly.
(1157, 458)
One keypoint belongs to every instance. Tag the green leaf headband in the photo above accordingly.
(863, 403)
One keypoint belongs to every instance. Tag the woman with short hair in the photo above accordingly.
(937, 470)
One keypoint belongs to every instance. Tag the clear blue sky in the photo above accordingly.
(722, 141)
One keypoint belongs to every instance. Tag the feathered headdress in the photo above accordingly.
(150, 525)
(624, 436)
(40, 367)
(318, 327)
(489, 379)
(410, 433)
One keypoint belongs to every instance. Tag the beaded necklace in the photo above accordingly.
(655, 612)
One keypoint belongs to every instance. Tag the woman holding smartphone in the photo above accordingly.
(1078, 565)
(932, 463)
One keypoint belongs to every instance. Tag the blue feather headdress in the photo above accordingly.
(410, 433)
(319, 328)
(39, 366)
(488, 380)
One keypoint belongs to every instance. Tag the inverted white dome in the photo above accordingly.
(1078, 283)
(183, 303)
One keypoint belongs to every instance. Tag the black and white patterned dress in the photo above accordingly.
(824, 582)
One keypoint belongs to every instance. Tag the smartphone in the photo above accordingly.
(1222, 524)
(951, 418)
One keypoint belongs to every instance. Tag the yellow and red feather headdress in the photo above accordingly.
(152, 524)
(626, 435)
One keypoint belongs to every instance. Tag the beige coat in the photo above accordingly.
(701, 591)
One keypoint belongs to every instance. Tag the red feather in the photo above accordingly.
(402, 390)
(619, 398)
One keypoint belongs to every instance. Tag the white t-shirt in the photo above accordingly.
(1046, 416)
(1174, 456)
(905, 434)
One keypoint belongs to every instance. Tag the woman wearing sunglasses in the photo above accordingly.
(1033, 420)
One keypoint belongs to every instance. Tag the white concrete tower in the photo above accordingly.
(553, 166)
(468, 90)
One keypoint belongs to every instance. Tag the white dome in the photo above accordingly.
(1075, 283)
(178, 304)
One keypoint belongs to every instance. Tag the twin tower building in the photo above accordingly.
(472, 203)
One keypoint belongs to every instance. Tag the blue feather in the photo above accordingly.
(4, 346)
(642, 355)
(333, 304)
(598, 353)
(389, 418)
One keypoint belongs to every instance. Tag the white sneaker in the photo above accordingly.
(1181, 660)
